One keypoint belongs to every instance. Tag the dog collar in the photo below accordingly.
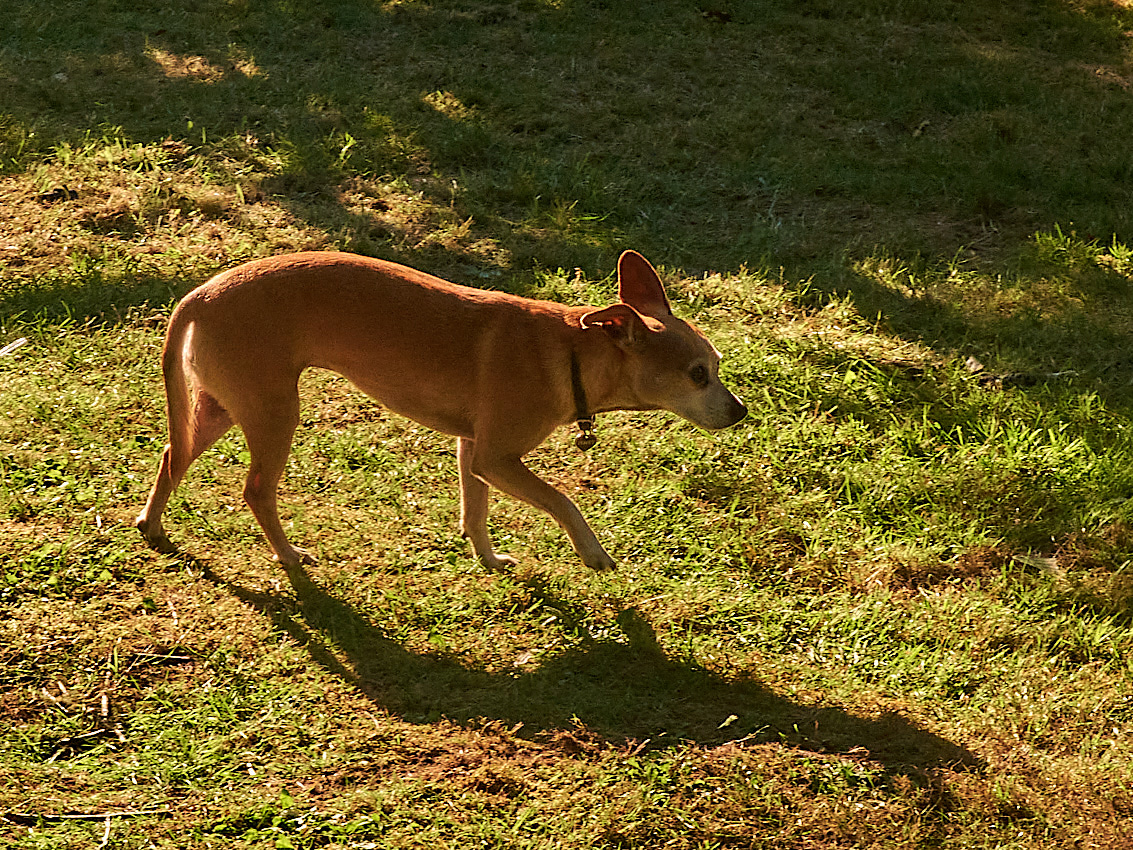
(586, 439)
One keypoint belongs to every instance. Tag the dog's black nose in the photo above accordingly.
(739, 411)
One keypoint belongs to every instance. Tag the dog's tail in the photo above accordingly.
(176, 373)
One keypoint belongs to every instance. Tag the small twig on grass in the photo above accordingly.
(32, 818)
(173, 611)
(73, 742)
(13, 346)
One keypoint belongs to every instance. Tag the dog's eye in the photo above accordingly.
(699, 375)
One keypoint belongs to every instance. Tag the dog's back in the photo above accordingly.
(422, 346)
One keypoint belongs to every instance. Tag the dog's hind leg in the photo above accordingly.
(268, 430)
(474, 510)
(208, 422)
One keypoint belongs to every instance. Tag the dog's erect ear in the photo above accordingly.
(639, 286)
(620, 321)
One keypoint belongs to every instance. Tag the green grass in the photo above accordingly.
(890, 609)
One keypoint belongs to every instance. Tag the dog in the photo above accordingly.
(497, 371)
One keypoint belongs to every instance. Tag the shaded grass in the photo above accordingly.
(566, 126)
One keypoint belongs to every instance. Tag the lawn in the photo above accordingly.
(890, 609)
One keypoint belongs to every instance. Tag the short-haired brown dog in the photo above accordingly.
(498, 371)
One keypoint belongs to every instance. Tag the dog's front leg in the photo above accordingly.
(474, 510)
(511, 476)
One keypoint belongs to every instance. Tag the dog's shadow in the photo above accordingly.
(627, 693)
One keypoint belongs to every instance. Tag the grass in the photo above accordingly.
(891, 609)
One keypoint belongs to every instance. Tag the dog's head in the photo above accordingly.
(670, 364)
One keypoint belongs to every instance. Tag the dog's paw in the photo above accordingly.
(601, 564)
(295, 558)
(498, 563)
(155, 538)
